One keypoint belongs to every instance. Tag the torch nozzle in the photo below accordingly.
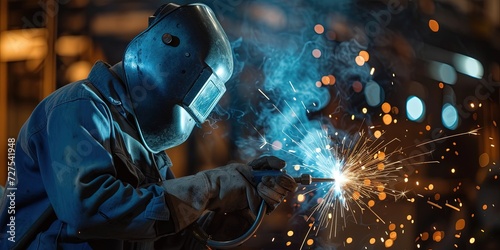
(307, 179)
(304, 179)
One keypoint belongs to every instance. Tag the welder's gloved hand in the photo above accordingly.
(273, 189)
(232, 189)
(223, 189)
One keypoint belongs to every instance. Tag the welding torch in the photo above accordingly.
(304, 179)
(202, 236)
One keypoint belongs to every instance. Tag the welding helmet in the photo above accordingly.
(175, 72)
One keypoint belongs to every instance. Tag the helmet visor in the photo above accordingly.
(204, 95)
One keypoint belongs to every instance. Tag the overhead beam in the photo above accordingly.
(3, 96)
(49, 69)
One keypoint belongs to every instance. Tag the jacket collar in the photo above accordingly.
(111, 86)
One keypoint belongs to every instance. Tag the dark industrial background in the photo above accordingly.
(413, 46)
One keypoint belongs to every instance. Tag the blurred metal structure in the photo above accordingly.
(28, 33)
(49, 68)
(3, 92)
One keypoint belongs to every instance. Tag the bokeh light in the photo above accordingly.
(357, 86)
(365, 55)
(438, 236)
(386, 107)
(277, 145)
(372, 241)
(374, 94)
(387, 119)
(424, 236)
(393, 235)
(301, 198)
(415, 109)
(442, 72)
(316, 53)
(348, 240)
(318, 28)
(382, 196)
(310, 242)
(388, 243)
(468, 65)
(434, 25)
(328, 80)
(460, 224)
(449, 116)
(360, 61)
(381, 166)
(484, 160)
(78, 70)
(371, 203)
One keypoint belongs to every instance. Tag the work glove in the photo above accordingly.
(225, 189)
(231, 225)
(273, 189)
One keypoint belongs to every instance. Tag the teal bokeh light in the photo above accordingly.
(415, 108)
(468, 65)
(442, 72)
(449, 116)
(374, 94)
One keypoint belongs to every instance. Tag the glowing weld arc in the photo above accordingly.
(350, 162)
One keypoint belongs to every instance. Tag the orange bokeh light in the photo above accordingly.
(318, 28)
(365, 55)
(434, 25)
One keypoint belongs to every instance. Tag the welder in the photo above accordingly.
(91, 167)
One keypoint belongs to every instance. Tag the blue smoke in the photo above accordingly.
(274, 96)
(274, 101)
(281, 97)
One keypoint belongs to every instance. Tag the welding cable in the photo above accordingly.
(203, 237)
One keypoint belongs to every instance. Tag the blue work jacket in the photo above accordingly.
(79, 153)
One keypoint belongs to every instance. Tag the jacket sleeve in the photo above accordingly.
(79, 176)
